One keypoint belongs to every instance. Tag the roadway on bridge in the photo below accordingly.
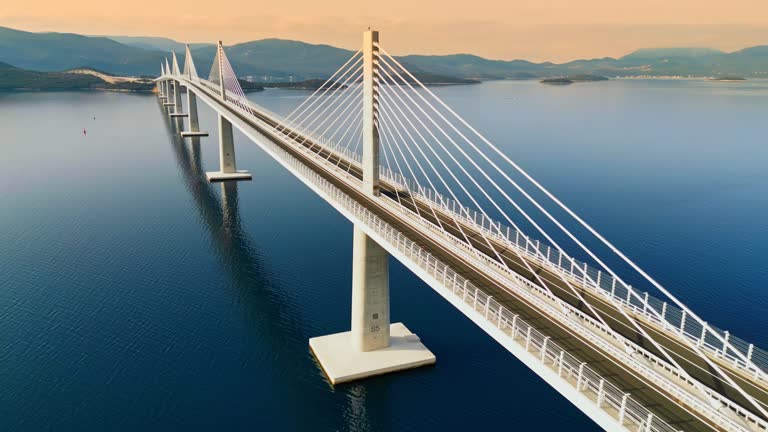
(641, 388)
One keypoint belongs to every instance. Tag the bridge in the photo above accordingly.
(421, 184)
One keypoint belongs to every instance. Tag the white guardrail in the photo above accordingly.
(673, 319)
(600, 390)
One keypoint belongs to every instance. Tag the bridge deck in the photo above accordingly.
(642, 389)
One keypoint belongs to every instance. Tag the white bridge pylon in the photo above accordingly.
(373, 346)
(423, 185)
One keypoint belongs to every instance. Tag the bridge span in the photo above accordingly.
(625, 357)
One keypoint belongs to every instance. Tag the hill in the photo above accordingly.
(278, 60)
(62, 51)
(657, 53)
(155, 43)
(473, 67)
(13, 78)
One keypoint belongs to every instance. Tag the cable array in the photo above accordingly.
(436, 166)
(175, 70)
(214, 75)
(331, 117)
(189, 65)
(233, 91)
(438, 159)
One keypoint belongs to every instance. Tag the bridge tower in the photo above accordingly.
(227, 163)
(194, 121)
(374, 346)
(160, 85)
(177, 113)
(167, 91)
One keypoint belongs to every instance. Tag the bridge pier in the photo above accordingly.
(168, 95)
(373, 346)
(174, 97)
(227, 163)
(370, 293)
(194, 122)
(177, 97)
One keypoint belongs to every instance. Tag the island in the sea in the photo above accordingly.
(570, 79)
(728, 78)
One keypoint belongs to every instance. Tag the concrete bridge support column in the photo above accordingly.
(373, 346)
(178, 108)
(168, 94)
(370, 293)
(227, 164)
(194, 122)
(177, 97)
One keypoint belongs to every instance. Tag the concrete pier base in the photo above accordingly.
(194, 123)
(218, 176)
(343, 362)
(191, 134)
(227, 165)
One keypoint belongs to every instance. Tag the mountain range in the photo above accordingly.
(278, 59)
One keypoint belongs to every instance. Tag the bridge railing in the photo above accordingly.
(673, 319)
(338, 198)
(605, 395)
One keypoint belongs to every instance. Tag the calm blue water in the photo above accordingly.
(135, 296)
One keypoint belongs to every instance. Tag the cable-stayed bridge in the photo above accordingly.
(423, 185)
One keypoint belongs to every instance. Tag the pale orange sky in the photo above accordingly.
(555, 30)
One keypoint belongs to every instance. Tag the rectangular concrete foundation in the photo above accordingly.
(343, 363)
(187, 134)
(217, 176)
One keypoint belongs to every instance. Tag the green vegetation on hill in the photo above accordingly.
(156, 43)
(657, 53)
(249, 86)
(276, 59)
(63, 51)
(13, 78)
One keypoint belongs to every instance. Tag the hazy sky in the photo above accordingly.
(554, 30)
